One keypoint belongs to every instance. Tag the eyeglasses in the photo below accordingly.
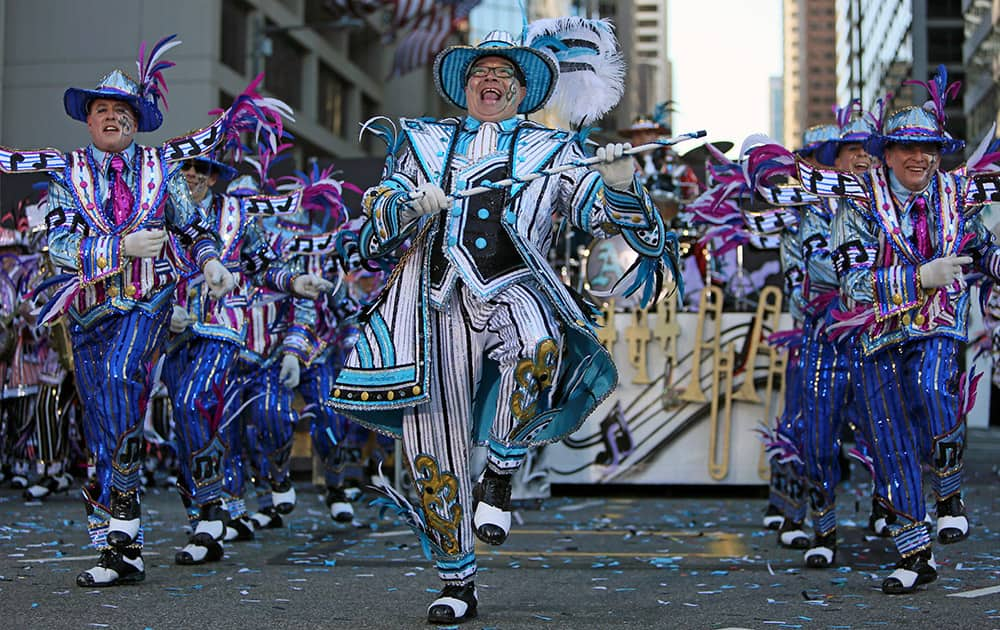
(202, 168)
(500, 72)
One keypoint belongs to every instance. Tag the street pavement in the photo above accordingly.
(615, 559)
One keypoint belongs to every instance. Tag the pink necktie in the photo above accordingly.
(920, 227)
(121, 195)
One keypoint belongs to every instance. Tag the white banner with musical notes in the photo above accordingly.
(647, 434)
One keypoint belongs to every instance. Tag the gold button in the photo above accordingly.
(919, 319)
(192, 292)
(102, 261)
(113, 292)
(364, 395)
(336, 393)
(416, 390)
(390, 395)
(897, 299)
(130, 290)
(906, 319)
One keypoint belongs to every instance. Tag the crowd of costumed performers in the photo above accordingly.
(184, 306)
(145, 313)
(879, 247)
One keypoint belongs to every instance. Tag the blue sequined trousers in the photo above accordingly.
(328, 428)
(113, 360)
(787, 485)
(827, 404)
(910, 419)
(270, 421)
(200, 376)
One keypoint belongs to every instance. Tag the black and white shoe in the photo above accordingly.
(491, 496)
(205, 545)
(240, 530)
(952, 523)
(792, 536)
(199, 550)
(455, 604)
(18, 481)
(123, 526)
(822, 552)
(266, 518)
(773, 518)
(879, 519)
(114, 568)
(283, 497)
(47, 485)
(910, 573)
(341, 509)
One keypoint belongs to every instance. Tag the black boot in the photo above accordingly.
(240, 529)
(124, 524)
(205, 544)
(341, 509)
(880, 519)
(115, 567)
(952, 523)
(823, 551)
(773, 518)
(491, 496)
(266, 518)
(455, 604)
(283, 496)
(792, 536)
(910, 573)
(48, 485)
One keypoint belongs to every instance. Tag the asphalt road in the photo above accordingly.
(578, 562)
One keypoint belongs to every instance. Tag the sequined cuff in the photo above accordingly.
(99, 257)
(300, 342)
(897, 289)
(203, 250)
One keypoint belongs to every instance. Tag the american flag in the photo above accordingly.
(357, 8)
(433, 21)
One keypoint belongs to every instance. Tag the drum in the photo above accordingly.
(605, 263)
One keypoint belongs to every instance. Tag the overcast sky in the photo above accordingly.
(723, 52)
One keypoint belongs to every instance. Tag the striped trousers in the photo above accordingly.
(910, 418)
(518, 337)
(113, 359)
(827, 404)
(199, 377)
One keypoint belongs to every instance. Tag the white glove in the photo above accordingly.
(144, 243)
(289, 374)
(941, 272)
(310, 285)
(431, 201)
(220, 281)
(179, 319)
(615, 167)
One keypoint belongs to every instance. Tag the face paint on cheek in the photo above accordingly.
(127, 124)
(199, 186)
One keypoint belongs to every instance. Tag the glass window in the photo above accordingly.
(235, 25)
(330, 104)
(284, 69)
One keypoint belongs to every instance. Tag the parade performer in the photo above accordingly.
(328, 249)
(827, 366)
(900, 243)
(269, 367)
(110, 204)
(200, 367)
(56, 407)
(733, 216)
(475, 340)
(20, 361)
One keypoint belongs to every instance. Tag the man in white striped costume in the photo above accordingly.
(475, 340)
